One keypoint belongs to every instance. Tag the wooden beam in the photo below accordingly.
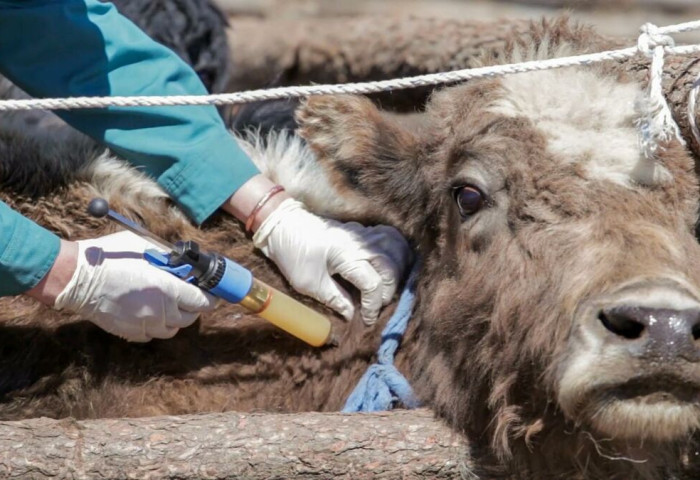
(401, 444)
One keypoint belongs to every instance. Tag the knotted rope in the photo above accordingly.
(659, 126)
(382, 385)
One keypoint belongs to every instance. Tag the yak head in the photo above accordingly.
(560, 287)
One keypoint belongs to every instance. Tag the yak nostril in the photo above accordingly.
(696, 331)
(622, 325)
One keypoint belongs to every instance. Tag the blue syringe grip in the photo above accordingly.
(235, 283)
(225, 279)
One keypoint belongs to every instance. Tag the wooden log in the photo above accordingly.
(608, 5)
(399, 444)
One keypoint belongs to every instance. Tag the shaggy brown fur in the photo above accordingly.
(497, 294)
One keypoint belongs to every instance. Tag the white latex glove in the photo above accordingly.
(309, 249)
(117, 289)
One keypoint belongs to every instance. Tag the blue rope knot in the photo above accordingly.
(383, 386)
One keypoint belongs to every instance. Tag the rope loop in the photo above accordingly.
(651, 38)
(659, 126)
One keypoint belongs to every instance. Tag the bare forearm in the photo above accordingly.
(242, 203)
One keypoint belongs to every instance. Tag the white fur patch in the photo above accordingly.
(110, 176)
(286, 159)
(659, 297)
(665, 421)
(282, 157)
(113, 177)
(587, 119)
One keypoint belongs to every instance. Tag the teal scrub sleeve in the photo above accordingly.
(64, 48)
(27, 252)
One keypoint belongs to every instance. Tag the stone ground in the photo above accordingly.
(613, 17)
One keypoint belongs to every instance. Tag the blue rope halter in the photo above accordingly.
(382, 385)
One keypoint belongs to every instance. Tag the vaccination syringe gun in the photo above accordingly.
(227, 280)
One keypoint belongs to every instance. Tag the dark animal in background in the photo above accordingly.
(194, 29)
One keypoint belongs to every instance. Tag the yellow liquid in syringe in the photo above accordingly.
(288, 314)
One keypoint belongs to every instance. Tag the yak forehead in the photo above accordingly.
(587, 119)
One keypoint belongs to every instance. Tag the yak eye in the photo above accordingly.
(469, 200)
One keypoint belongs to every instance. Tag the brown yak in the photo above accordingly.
(558, 309)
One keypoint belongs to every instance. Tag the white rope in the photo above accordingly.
(308, 90)
(659, 125)
(654, 42)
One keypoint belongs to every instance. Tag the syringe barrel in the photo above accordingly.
(237, 285)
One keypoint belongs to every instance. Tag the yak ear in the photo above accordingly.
(370, 157)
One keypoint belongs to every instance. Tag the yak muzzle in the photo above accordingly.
(631, 367)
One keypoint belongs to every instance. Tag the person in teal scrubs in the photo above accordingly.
(64, 48)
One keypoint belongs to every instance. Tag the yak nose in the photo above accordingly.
(655, 332)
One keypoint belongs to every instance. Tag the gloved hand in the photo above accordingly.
(117, 289)
(309, 249)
